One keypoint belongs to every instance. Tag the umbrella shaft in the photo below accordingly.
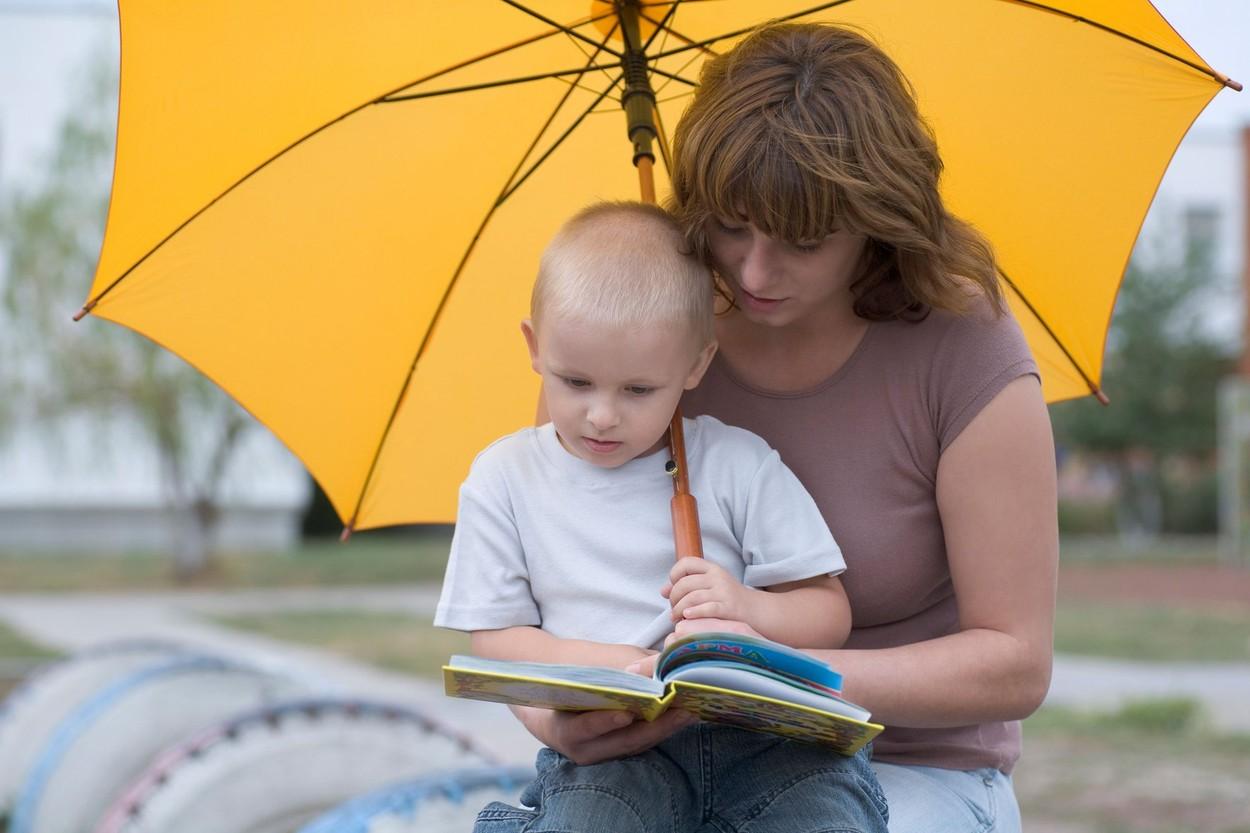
(638, 99)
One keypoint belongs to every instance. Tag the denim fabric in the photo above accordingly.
(707, 778)
(926, 799)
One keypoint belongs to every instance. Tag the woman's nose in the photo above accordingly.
(758, 264)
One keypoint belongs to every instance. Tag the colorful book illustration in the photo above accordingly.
(722, 677)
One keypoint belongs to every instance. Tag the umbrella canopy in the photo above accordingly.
(336, 212)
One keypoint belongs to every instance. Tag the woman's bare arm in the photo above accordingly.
(996, 494)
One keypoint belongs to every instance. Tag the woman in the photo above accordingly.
(866, 340)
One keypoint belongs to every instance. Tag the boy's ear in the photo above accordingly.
(531, 342)
(700, 367)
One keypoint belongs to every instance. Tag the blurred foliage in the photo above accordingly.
(1086, 517)
(1162, 371)
(51, 368)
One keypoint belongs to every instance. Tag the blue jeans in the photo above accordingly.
(926, 799)
(707, 778)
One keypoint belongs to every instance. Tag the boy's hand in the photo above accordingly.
(700, 589)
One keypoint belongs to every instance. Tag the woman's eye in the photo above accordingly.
(806, 248)
(728, 228)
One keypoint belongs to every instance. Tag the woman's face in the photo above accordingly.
(778, 283)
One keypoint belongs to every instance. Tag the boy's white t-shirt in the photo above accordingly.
(544, 538)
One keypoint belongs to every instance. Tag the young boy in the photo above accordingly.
(564, 541)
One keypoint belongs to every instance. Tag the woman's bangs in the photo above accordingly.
(760, 182)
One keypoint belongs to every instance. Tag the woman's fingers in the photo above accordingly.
(592, 737)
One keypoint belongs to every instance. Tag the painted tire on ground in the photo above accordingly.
(37, 706)
(273, 769)
(447, 801)
(112, 735)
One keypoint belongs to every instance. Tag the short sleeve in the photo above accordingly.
(487, 585)
(977, 356)
(784, 536)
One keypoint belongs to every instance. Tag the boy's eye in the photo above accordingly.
(575, 382)
(639, 390)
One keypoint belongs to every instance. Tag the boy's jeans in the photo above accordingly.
(706, 777)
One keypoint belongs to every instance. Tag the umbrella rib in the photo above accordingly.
(662, 141)
(92, 302)
(1094, 388)
(793, 15)
(511, 189)
(588, 55)
(672, 76)
(486, 85)
(567, 30)
(590, 59)
(682, 68)
(659, 25)
(508, 189)
(683, 38)
(1207, 71)
(494, 53)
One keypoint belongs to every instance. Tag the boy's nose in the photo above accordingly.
(602, 416)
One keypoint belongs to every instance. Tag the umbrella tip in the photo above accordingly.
(1231, 84)
(1101, 397)
(86, 308)
(347, 533)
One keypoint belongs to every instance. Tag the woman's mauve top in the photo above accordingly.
(866, 443)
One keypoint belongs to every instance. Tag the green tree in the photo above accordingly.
(52, 368)
(1161, 371)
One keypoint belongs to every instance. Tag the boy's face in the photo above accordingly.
(611, 392)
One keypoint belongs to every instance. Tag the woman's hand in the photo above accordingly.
(593, 737)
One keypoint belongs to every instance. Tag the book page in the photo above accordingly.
(759, 681)
(567, 688)
(749, 651)
(586, 675)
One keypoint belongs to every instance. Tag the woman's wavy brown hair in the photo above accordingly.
(807, 128)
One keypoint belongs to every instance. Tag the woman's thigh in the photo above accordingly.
(925, 799)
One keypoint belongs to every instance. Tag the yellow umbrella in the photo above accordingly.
(335, 210)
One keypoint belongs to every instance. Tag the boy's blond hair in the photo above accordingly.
(624, 264)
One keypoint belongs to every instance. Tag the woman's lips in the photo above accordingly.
(758, 303)
(601, 446)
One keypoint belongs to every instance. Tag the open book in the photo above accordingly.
(727, 678)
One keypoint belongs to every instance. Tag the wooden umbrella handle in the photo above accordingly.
(686, 537)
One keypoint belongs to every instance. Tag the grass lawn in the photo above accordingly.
(377, 558)
(1171, 549)
(17, 655)
(1149, 632)
(389, 640)
(14, 646)
(1150, 767)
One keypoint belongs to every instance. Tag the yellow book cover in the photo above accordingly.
(726, 678)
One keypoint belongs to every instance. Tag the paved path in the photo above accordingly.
(72, 622)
